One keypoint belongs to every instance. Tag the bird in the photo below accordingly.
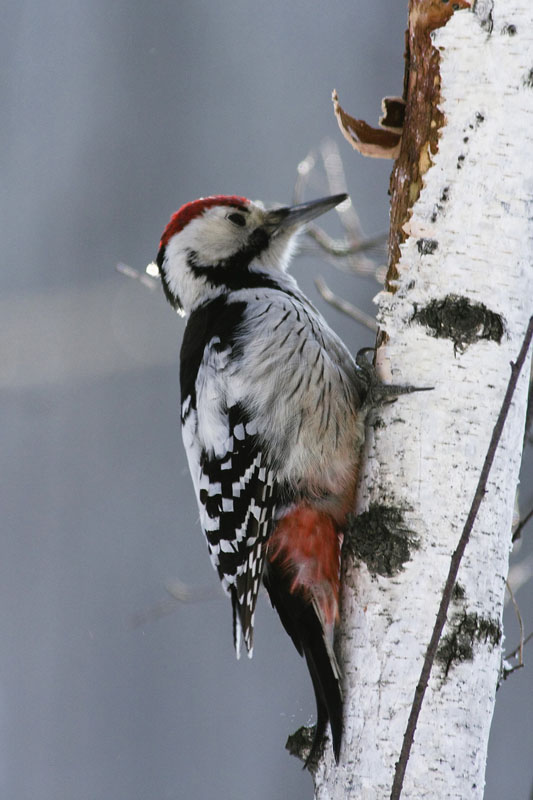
(272, 415)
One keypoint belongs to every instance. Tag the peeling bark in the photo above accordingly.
(382, 142)
(423, 116)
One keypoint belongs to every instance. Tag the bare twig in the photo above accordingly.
(518, 649)
(180, 593)
(142, 277)
(521, 572)
(154, 613)
(522, 524)
(186, 593)
(341, 248)
(344, 306)
(520, 625)
(440, 621)
(350, 253)
(529, 413)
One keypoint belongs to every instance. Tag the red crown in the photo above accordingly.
(189, 211)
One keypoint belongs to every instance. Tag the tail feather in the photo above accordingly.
(237, 625)
(328, 696)
(303, 624)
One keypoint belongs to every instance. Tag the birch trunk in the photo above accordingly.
(453, 318)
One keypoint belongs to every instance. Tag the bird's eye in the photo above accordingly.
(237, 219)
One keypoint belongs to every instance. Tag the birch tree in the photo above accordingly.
(452, 316)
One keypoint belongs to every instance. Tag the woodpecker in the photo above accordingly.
(272, 420)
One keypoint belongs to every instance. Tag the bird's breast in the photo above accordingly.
(300, 381)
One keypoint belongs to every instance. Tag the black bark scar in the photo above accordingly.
(459, 319)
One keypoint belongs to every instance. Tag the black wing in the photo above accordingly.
(236, 494)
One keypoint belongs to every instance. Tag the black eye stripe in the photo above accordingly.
(237, 219)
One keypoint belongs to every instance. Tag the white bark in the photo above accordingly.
(476, 205)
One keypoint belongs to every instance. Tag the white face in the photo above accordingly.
(215, 236)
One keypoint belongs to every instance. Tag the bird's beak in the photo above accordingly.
(279, 219)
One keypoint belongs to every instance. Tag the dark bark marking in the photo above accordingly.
(299, 745)
(459, 319)
(528, 80)
(439, 207)
(381, 539)
(426, 247)
(458, 593)
(483, 10)
(466, 629)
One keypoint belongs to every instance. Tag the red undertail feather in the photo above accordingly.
(302, 579)
(306, 544)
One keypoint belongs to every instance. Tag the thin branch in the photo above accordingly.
(520, 625)
(529, 412)
(180, 593)
(341, 248)
(145, 279)
(518, 648)
(522, 524)
(348, 253)
(401, 764)
(344, 306)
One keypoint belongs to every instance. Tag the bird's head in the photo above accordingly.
(219, 244)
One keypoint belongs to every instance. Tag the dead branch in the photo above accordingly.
(345, 306)
(146, 278)
(350, 253)
(521, 525)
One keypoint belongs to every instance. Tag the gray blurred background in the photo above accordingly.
(114, 114)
